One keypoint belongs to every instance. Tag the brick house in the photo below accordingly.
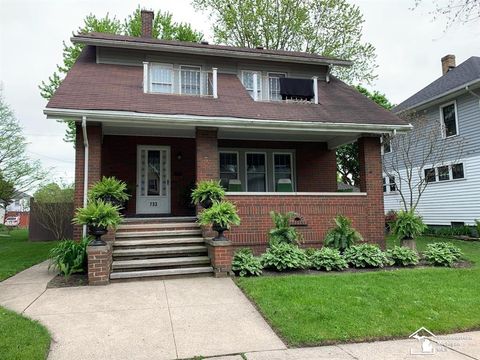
(162, 115)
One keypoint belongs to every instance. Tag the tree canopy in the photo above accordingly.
(330, 28)
(163, 28)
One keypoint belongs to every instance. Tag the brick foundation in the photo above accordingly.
(99, 264)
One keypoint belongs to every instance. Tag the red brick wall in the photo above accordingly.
(207, 154)
(94, 135)
(119, 159)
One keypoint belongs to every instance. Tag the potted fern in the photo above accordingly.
(221, 216)
(343, 235)
(110, 190)
(208, 192)
(407, 227)
(98, 216)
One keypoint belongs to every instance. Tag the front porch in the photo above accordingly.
(160, 167)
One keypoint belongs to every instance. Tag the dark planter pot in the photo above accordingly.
(408, 243)
(207, 204)
(219, 229)
(110, 199)
(97, 232)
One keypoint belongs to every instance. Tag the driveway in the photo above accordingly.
(157, 319)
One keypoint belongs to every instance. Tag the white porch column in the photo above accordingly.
(315, 88)
(214, 83)
(255, 86)
(145, 77)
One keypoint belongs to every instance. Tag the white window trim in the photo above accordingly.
(180, 79)
(382, 148)
(450, 171)
(268, 82)
(292, 168)
(266, 168)
(238, 159)
(259, 76)
(442, 123)
(387, 184)
(150, 87)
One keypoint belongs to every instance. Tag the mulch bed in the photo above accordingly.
(74, 280)
(421, 265)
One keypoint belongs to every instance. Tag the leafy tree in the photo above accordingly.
(455, 11)
(17, 172)
(348, 165)
(327, 27)
(164, 27)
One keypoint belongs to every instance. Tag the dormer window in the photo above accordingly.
(247, 81)
(274, 86)
(190, 77)
(161, 78)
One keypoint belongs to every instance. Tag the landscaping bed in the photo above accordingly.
(73, 280)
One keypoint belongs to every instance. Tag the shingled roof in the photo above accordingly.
(465, 73)
(92, 86)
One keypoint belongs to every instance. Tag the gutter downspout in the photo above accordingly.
(473, 93)
(85, 168)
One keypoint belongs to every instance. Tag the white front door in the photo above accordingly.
(153, 179)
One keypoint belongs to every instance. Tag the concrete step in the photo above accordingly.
(158, 251)
(157, 234)
(159, 220)
(153, 242)
(161, 262)
(161, 272)
(155, 226)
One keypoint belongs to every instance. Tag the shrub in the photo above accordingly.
(283, 256)
(69, 257)
(402, 256)
(408, 225)
(477, 227)
(208, 192)
(390, 219)
(222, 213)
(98, 213)
(283, 232)
(327, 259)
(109, 189)
(365, 255)
(442, 254)
(343, 235)
(245, 264)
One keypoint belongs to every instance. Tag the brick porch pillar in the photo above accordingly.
(94, 134)
(371, 182)
(220, 254)
(207, 154)
(99, 264)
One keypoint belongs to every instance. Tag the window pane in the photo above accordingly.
(161, 78)
(386, 145)
(153, 173)
(449, 120)
(274, 86)
(443, 173)
(429, 175)
(283, 167)
(190, 78)
(393, 186)
(384, 185)
(247, 80)
(256, 177)
(457, 171)
(228, 168)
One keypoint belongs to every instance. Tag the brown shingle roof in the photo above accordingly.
(91, 86)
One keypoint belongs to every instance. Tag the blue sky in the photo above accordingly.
(409, 47)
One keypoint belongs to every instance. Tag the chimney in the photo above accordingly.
(147, 23)
(448, 63)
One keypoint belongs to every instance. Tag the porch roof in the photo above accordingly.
(104, 87)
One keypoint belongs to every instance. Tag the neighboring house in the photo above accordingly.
(162, 115)
(19, 207)
(452, 104)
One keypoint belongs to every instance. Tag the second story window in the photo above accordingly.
(448, 114)
(247, 81)
(274, 86)
(386, 145)
(190, 80)
(161, 78)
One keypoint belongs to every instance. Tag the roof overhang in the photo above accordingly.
(197, 50)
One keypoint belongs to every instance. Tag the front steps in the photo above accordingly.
(160, 248)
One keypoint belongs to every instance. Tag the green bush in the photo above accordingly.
(402, 256)
(283, 256)
(245, 264)
(408, 225)
(477, 227)
(365, 255)
(343, 235)
(98, 213)
(109, 189)
(283, 232)
(442, 254)
(208, 191)
(222, 213)
(69, 257)
(326, 259)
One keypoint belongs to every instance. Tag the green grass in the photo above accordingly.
(17, 253)
(22, 338)
(310, 310)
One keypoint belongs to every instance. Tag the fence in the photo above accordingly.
(50, 221)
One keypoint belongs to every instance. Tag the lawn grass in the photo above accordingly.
(17, 253)
(308, 310)
(22, 338)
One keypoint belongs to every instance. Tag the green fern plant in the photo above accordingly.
(109, 189)
(207, 193)
(408, 225)
(223, 214)
(283, 232)
(343, 235)
(99, 214)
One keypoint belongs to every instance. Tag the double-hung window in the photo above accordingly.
(448, 115)
(228, 167)
(386, 145)
(256, 169)
(247, 81)
(274, 86)
(444, 173)
(282, 167)
(389, 184)
(161, 78)
(190, 80)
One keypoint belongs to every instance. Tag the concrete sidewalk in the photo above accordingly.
(178, 319)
